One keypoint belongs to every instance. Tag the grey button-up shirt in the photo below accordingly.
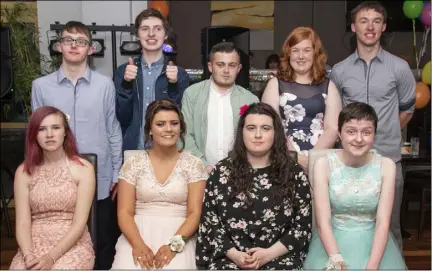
(91, 107)
(388, 85)
(150, 74)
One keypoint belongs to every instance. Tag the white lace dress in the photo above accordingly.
(160, 209)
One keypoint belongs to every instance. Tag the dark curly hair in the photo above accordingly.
(241, 172)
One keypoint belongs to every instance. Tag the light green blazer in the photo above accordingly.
(194, 108)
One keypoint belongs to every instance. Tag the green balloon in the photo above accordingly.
(412, 9)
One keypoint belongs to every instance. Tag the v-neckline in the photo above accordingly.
(171, 174)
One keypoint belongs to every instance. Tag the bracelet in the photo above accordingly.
(336, 258)
(334, 262)
(52, 257)
(28, 254)
(25, 249)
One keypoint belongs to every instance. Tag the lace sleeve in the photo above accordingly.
(195, 171)
(129, 170)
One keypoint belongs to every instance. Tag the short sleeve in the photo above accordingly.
(406, 85)
(195, 170)
(336, 78)
(129, 170)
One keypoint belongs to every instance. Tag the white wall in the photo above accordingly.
(88, 12)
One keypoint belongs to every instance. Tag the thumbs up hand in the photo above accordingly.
(171, 72)
(131, 70)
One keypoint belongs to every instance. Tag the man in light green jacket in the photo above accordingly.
(211, 107)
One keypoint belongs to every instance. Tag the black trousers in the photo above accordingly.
(108, 232)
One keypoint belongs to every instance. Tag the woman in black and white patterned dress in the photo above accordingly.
(257, 208)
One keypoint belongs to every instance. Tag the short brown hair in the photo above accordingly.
(357, 111)
(318, 71)
(77, 27)
(163, 105)
(377, 6)
(223, 47)
(151, 12)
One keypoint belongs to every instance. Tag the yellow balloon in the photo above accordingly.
(426, 73)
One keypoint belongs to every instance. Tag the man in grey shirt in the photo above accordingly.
(88, 98)
(384, 81)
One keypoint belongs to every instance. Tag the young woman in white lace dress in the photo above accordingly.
(160, 197)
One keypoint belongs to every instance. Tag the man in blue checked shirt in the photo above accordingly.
(88, 98)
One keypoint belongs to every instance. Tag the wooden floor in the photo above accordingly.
(417, 252)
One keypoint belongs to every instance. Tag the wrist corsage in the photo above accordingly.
(334, 262)
(176, 243)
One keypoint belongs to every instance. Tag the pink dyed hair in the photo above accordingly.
(33, 156)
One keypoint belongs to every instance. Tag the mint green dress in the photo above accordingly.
(354, 196)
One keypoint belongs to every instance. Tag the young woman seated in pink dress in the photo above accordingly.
(54, 190)
(160, 196)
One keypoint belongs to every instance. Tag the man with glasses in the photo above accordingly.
(149, 77)
(211, 107)
(88, 99)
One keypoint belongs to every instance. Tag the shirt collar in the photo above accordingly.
(159, 62)
(379, 56)
(62, 76)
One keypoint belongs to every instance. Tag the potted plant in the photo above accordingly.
(26, 57)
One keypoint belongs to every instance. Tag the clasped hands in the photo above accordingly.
(144, 256)
(43, 263)
(253, 259)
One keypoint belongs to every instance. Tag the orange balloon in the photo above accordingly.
(422, 94)
(162, 6)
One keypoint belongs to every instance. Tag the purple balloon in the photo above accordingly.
(425, 15)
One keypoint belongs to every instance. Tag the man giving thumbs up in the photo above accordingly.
(146, 78)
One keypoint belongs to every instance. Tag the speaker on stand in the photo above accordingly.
(239, 36)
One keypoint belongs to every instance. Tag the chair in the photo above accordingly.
(92, 220)
(4, 202)
(417, 187)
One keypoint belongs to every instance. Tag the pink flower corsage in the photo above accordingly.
(243, 109)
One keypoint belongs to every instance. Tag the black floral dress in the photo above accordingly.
(227, 222)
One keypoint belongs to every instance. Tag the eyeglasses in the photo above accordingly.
(78, 42)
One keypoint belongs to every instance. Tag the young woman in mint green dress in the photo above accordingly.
(353, 198)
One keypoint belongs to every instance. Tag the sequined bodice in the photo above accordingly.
(354, 193)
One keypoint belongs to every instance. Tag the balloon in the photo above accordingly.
(426, 73)
(412, 9)
(422, 94)
(425, 15)
(162, 6)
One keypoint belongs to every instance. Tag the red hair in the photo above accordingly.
(318, 71)
(33, 156)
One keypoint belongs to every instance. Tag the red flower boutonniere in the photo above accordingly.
(243, 109)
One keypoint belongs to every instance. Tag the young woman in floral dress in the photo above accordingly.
(257, 207)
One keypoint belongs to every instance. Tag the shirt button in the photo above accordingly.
(147, 104)
(149, 73)
(148, 88)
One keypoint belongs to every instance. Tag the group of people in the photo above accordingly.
(202, 176)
